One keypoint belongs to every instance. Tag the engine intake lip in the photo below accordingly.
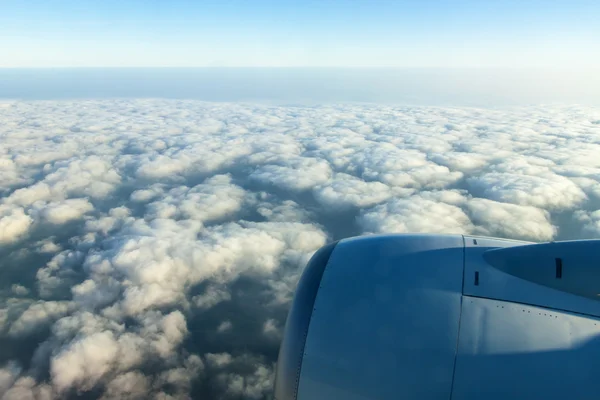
(291, 351)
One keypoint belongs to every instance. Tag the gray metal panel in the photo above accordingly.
(291, 349)
(495, 284)
(570, 266)
(514, 351)
(385, 323)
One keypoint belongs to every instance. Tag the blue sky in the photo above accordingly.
(325, 33)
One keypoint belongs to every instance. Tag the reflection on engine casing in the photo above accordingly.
(443, 317)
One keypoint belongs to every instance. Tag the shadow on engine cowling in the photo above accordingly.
(572, 373)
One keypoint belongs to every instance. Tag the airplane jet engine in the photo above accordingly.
(444, 317)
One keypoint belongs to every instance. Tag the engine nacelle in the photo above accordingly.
(444, 317)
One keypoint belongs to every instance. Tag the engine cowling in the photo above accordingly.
(428, 317)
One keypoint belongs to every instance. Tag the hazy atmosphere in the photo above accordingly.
(154, 221)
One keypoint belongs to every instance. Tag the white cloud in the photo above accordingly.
(590, 222)
(47, 245)
(415, 214)
(57, 275)
(100, 349)
(546, 190)
(395, 166)
(254, 386)
(84, 362)
(211, 297)
(144, 195)
(90, 176)
(218, 360)
(282, 211)
(181, 378)
(272, 330)
(216, 198)
(149, 231)
(168, 259)
(511, 221)
(14, 224)
(344, 191)
(8, 375)
(465, 162)
(19, 290)
(26, 388)
(10, 310)
(130, 385)
(296, 174)
(38, 315)
(64, 211)
(224, 326)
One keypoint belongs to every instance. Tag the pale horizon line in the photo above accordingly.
(313, 67)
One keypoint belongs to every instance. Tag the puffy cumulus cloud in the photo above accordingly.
(58, 274)
(145, 195)
(296, 174)
(387, 163)
(19, 290)
(160, 260)
(85, 361)
(25, 388)
(415, 214)
(150, 248)
(219, 360)
(270, 329)
(90, 176)
(9, 173)
(47, 245)
(547, 190)
(211, 297)
(14, 223)
(130, 385)
(11, 309)
(590, 221)
(8, 375)
(464, 162)
(345, 191)
(179, 379)
(255, 385)
(225, 326)
(216, 198)
(510, 220)
(94, 355)
(64, 211)
(183, 158)
(37, 316)
(284, 211)
(252, 386)
(115, 219)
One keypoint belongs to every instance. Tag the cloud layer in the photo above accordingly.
(150, 248)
